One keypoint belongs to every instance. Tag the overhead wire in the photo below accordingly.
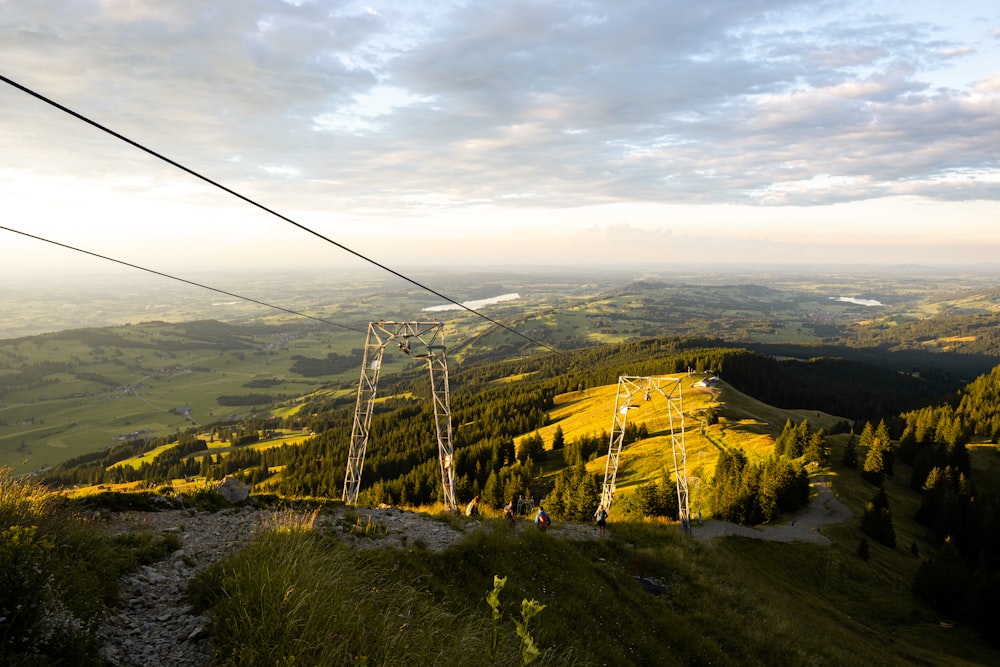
(266, 209)
(183, 280)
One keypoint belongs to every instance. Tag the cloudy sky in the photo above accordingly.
(500, 132)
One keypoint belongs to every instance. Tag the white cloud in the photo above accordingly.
(369, 111)
(551, 113)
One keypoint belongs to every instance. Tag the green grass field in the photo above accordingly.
(140, 379)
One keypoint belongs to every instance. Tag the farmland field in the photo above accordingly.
(85, 365)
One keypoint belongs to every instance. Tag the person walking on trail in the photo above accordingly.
(472, 509)
(508, 512)
(601, 517)
(542, 519)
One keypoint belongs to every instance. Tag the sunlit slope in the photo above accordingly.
(743, 422)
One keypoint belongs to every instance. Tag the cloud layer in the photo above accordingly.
(431, 107)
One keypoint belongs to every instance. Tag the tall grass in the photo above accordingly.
(296, 596)
(48, 604)
(58, 575)
(301, 596)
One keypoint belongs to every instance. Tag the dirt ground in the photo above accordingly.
(823, 510)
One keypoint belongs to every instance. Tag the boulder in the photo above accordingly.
(232, 489)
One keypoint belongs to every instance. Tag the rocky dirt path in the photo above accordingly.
(156, 626)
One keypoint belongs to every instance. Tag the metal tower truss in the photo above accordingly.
(420, 340)
(652, 389)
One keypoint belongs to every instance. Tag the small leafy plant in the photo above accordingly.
(529, 609)
(370, 528)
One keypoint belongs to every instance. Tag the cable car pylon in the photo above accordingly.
(652, 388)
(429, 339)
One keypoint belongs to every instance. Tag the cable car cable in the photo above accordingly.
(183, 280)
(276, 214)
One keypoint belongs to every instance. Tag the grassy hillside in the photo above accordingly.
(733, 601)
(743, 423)
(66, 394)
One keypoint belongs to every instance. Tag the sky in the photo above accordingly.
(500, 133)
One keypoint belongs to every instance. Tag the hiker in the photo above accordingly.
(508, 512)
(472, 509)
(542, 519)
(601, 516)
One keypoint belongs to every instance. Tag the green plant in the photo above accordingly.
(290, 520)
(493, 600)
(58, 574)
(368, 528)
(529, 609)
(144, 548)
(21, 501)
(204, 497)
(456, 520)
(25, 561)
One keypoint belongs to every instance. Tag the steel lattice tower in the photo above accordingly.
(652, 388)
(430, 337)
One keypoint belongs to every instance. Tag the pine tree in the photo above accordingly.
(784, 442)
(815, 449)
(867, 435)
(803, 434)
(493, 492)
(885, 442)
(558, 441)
(850, 459)
(586, 498)
(876, 521)
(531, 446)
(878, 461)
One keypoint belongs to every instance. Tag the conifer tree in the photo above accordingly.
(867, 435)
(531, 446)
(558, 440)
(885, 441)
(784, 441)
(878, 461)
(803, 434)
(586, 498)
(815, 449)
(908, 446)
(850, 459)
(876, 521)
(493, 492)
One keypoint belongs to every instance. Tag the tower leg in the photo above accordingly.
(380, 334)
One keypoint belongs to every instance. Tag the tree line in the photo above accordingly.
(962, 577)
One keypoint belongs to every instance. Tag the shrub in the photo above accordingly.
(48, 607)
(59, 574)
